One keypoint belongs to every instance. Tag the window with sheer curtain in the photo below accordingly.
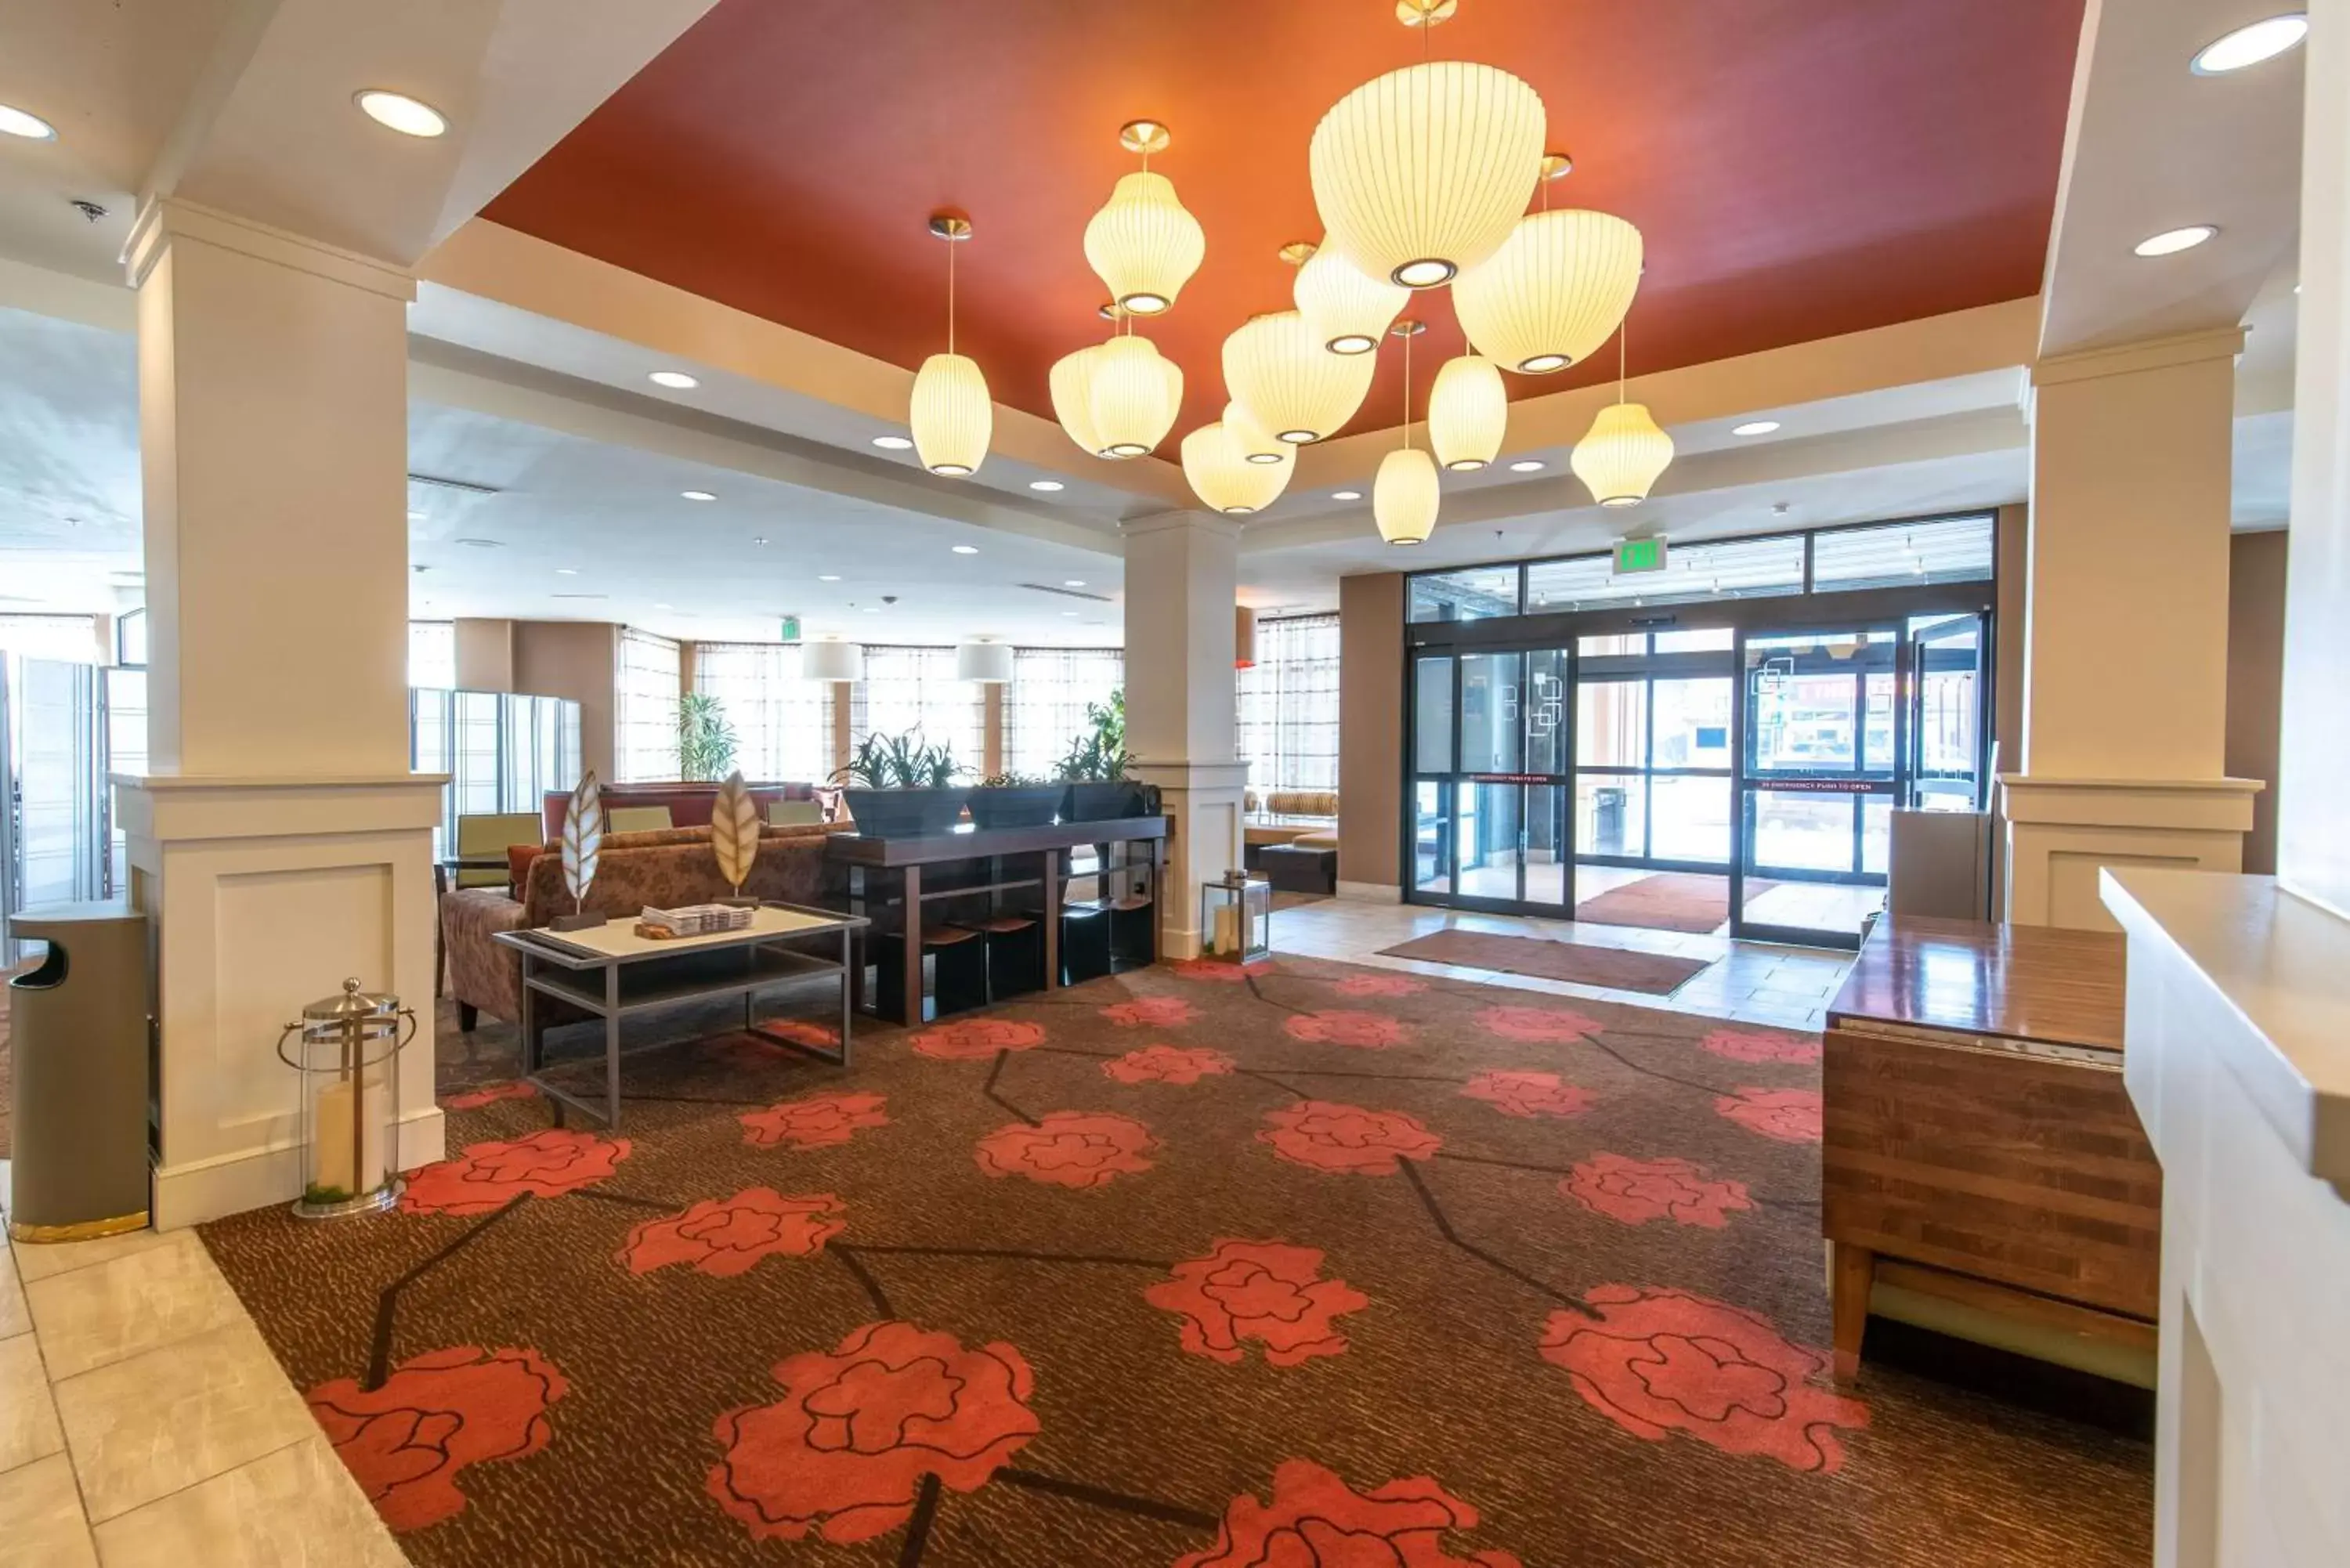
(1045, 706)
(908, 689)
(644, 718)
(432, 653)
(783, 720)
(1288, 705)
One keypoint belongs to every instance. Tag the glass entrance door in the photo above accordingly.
(1943, 767)
(1491, 761)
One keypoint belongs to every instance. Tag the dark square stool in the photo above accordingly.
(1015, 953)
(958, 968)
(1292, 868)
(1084, 942)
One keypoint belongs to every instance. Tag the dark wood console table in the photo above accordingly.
(1979, 1145)
(893, 879)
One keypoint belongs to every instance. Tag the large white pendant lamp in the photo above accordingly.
(1404, 494)
(1134, 394)
(1258, 444)
(1549, 297)
(1073, 396)
(1419, 173)
(1281, 373)
(1468, 413)
(1142, 242)
(989, 663)
(951, 414)
(832, 662)
(1624, 454)
(1348, 312)
(1222, 475)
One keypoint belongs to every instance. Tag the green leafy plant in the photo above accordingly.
(705, 741)
(899, 762)
(1098, 756)
(1014, 781)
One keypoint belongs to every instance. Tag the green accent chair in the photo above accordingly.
(488, 836)
(636, 819)
(795, 812)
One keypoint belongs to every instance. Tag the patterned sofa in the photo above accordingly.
(1306, 818)
(635, 869)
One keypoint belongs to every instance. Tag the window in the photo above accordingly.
(783, 720)
(131, 638)
(644, 718)
(1288, 705)
(1899, 555)
(1474, 593)
(908, 689)
(432, 653)
(1727, 569)
(1045, 706)
(67, 638)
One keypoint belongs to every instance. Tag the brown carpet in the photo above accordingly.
(1668, 901)
(1619, 969)
(1317, 1265)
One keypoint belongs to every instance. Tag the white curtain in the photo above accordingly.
(1045, 706)
(908, 689)
(644, 727)
(783, 721)
(1288, 705)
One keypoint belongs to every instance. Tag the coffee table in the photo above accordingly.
(610, 973)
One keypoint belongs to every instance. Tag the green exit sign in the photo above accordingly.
(1639, 556)
(791, 629)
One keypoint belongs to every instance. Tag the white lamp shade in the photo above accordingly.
(1073, 397)
(1557, 289)
(952, 416)
(1468, 413)
(988, 662)
(1135, 393)
(1144, 245)
(1258, 444)
(1222, 475)
(1279, 371)
(1404, 496)
(1419, 173)
(1348, 311)
(1623, 454)
(832, 662)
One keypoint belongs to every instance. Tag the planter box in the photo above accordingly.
(1020, 806)
(905, 813)
(1103, 802)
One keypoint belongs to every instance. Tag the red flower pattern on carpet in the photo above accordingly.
(845, 1450)
(1664, 1361)
(406, 1441)
(1316, 1520)
(1336, 1026)
(1760, 1045)
(1068, 1149)
(727, 1236)
(1328, 1136)
(1151, 1013)
(1789, 1116)
(1528, 1094)
(1219, 969)
(800, 1032)
(490, 1175)
(1270, 1291)
(975, 1039)
(1380, 985)
(819, 1121)
(1639, 1190)
(1539, 1025)
(1168, 1064)
(490, 1094)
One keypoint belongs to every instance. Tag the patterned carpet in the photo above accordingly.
(1318, 1265)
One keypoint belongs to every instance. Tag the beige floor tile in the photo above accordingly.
(152, 1423)
(296, 1507)
(40, 1518)
(40, 1262)
(14, 1319)
(28, 1421)
(91, 1317)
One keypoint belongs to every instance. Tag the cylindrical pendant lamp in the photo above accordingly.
(1468, 413)
(832, 662)
(989, 663)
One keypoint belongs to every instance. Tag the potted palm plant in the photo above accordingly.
(1015, 800)
(1095, 767)
(897, 787)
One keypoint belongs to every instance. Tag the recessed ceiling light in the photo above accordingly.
(1073, 582)
(1755, 427)
(483, 544)
(664, 607)
(2250, 46)
(1345, 496)
(1526, 465)
(567, 571)
(1071, 614)
(892, 443)
(966, 549)
(828, 577)
(761, 539)
(1047, 485)
(697, 495)
(677, 380)
(2170, 241)
(14, 121)
(872, 610)
(408, 115)
(416, 517)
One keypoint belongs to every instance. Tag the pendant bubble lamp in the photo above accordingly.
(1217, 464)
(1073, 400)
(1468, 413)
(1134, 393)
(1549, 297)
(1348, 311)
(1143, 244)
(1624, 454)
(1258, 444)
(950, 415)
(1278, 371)
(1404, 493)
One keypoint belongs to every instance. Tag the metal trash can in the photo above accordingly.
(78, 1031)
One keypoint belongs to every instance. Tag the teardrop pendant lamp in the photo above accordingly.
(1404, 493)
(1222, 475)
(1282, 375)
(1468, 413)
(1143, 244)
(1624, 454)
(1348, 311)
(950, 415)
(1549, 297)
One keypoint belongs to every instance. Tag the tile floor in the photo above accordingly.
(142, 1422)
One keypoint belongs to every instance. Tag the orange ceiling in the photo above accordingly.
(1800, 168)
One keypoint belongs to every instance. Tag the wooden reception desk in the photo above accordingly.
(1980, 1148)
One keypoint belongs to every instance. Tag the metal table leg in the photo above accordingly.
(848, 993)
(612, 1045)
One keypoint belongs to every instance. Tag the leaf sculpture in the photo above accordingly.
(583, 836)
(735, 831)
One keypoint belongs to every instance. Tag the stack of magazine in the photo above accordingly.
(694, 921)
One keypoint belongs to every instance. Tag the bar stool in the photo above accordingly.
(1131, 938)
(958, 974)
(1015, 953)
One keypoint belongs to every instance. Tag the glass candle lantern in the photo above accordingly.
(348, 1053)
(1236, 917)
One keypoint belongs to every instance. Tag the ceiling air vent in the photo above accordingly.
(1067, 593)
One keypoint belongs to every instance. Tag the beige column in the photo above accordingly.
(485, 654)
(2125, 640)
(580, 661)
(279, 843)
(844, 693)
(1181, 571)
(1371, 785)
(991, 730)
